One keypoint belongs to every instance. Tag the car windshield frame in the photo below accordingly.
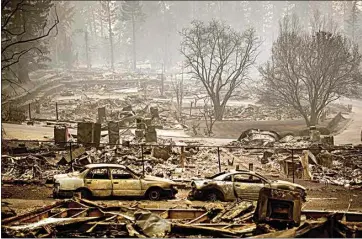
(262, 177)
(221, 177)
(132, 172)
(82, 170)
(216, 175)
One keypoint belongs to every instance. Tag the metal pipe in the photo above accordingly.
(293, 163)
(56, 110)
(143, 162)
(71, 156)
(29, 112)
(218, 158)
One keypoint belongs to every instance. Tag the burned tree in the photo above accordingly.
(208, 114)
(220, 58)
(178, 89)
(25, 26)
(109, 15)
(131, 11)
(309, 71)
(62, 42)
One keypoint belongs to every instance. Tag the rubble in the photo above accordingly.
(339, 166)
(272, 156)
(257, 137)
(82, 218)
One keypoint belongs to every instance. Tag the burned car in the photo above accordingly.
(105, 180)
(244, 184)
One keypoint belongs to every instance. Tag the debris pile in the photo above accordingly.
(30, 169)
(260, 112)
(340, 167)
(82, 218)
(188, 161)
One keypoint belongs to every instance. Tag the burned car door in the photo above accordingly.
(247, 186)
(98, 181)
(125, 183)
(227, 187)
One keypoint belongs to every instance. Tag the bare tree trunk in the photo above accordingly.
(306, 119)
(134, 42)
(181, 90)
(110, 35)
(162, 80)
(218, 109)
(101, 27)
(56, 53)
(93, 24)
(87, 49)
(313, 119)
(23, 72)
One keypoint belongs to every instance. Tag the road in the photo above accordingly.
(23, 198)
(352, 133)
(40, 132)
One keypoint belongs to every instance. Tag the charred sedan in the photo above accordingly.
(105, 180)
(244, 184)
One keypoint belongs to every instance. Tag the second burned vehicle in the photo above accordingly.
(244, 184)
(105, 180)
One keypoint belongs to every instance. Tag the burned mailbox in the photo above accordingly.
(278, 206)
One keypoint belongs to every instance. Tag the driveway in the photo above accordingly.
(352, 133)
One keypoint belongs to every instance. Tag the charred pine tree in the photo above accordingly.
(109, 15)
(131, 11)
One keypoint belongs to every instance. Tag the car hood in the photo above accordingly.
(201, 183)
(153, 178)
(66, 175)
(284, 184)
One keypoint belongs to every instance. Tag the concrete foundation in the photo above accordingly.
(85, 132)
(139, 133)
(60, 135)
(113, 132)
(96, 134)
(89, 133)
(151, 136)
(154, 112)
(101, 114)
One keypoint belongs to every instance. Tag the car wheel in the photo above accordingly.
(154, 194)
(56, 191)
(85, 194)
(211, 196)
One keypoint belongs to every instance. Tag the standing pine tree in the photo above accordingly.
(131, 11)
(109, 10)
(353, 21)
(62, 41)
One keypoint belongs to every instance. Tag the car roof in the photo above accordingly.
(232, 172)
(241, 171)
(105, 165)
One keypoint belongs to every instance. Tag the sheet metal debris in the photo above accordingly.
(83, 218)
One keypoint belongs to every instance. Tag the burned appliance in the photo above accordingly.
(278, 206)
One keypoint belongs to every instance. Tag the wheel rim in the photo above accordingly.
(56, 189)
(154, 195)
(212, 197)
(84, 194)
